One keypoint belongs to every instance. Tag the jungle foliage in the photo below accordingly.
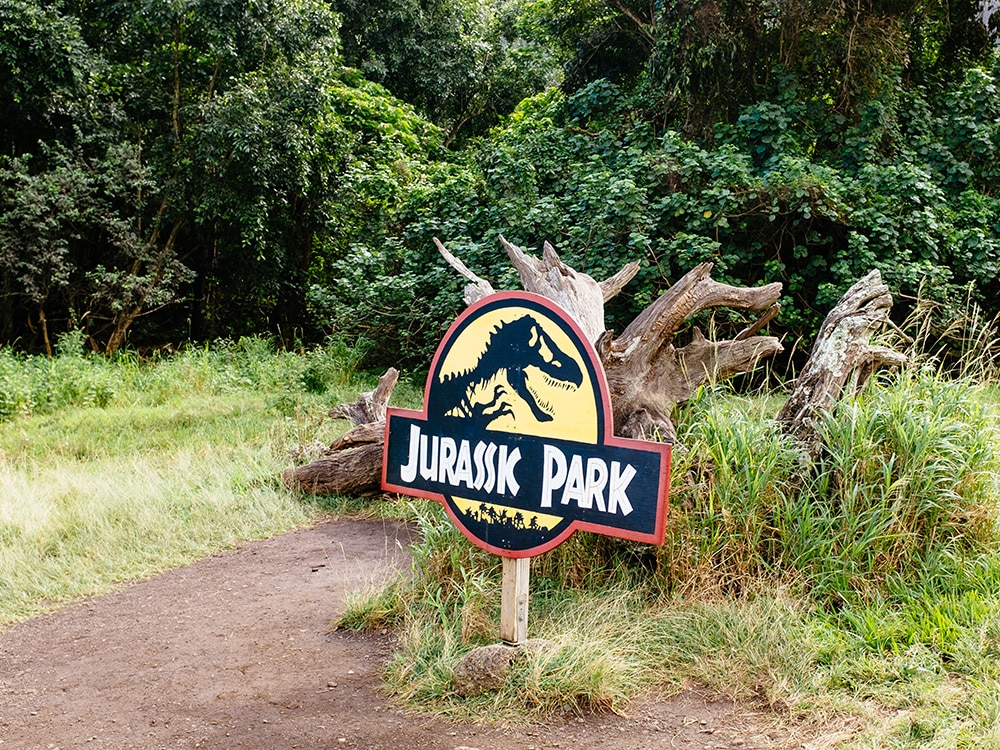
(180, 162)
(181, 171)
(782, 143)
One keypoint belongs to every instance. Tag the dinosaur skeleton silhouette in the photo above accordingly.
(511, 348)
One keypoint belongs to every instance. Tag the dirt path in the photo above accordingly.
(232, 652)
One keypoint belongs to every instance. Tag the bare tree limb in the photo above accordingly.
(371, 405)
(478, 288)
(842, 356)
(353, 463)
(577, 293)
(611, 286)
(641, 25)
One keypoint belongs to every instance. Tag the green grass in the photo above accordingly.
(861, 590)
(90, 497)
(171, 460)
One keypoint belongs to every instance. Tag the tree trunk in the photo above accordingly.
(44, 325)
(353, 463)
(356, 471)
(842, 357)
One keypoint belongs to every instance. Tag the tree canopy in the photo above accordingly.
(179, 171)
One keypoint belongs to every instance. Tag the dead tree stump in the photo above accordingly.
(647, 374)
(843, 357)
(352, 465)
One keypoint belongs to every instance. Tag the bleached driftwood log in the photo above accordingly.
(352, 465)
(843, 357)
(647, 374)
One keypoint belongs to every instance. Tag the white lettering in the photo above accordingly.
(446, 467)
(477, 456)
(619, 482)
(428, 469)
(505, 470)
(597, 480)
(574, 483)
(491, 472)
(553, 473)
(463, 466)
(588, 482)
(409, 471)
(585, 484)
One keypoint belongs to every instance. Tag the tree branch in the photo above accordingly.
(641, 25)
(842, 354)
(478, 288)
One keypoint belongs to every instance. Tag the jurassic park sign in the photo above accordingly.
(516, 436)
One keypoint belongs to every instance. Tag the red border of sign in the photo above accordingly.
(609, 438)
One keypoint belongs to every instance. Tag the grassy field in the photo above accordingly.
(860, 593)
(114, 470)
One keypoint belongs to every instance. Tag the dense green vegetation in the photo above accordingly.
(174, 172)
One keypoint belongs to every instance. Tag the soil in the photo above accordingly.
(235, 652)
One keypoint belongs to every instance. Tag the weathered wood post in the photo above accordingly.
(514, 600)
(843, 357)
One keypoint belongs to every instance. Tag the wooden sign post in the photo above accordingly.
(514, 600)
(516, 440)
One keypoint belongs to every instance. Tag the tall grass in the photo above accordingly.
(908, 480)
(907, 477)
(33, 385)
(859, 590)
(114, 469)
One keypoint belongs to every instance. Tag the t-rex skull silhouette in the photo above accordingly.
(511, 348)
